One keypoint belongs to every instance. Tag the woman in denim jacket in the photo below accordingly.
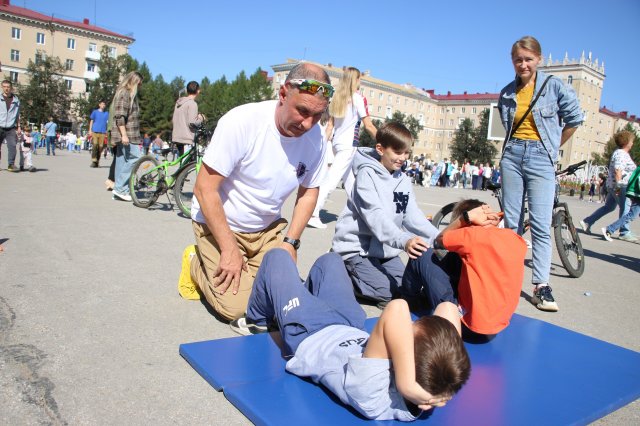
(530, 154)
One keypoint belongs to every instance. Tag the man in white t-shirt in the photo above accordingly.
(259, 154)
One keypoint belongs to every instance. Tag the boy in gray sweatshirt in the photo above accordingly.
(381, 218)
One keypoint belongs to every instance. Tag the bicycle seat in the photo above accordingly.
(493, 186)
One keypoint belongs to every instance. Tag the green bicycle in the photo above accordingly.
(151, 178)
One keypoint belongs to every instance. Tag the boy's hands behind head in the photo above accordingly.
(484, 216)
(415, 247)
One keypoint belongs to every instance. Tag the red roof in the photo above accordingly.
(6, 7)
(622, 114)
(465, 96)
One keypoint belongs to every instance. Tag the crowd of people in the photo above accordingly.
(468, 277)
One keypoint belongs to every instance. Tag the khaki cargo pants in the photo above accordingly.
(253, 246)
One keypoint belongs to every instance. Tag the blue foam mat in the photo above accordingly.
(530, 366)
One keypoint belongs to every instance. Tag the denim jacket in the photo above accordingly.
(9, 118)
(557, 107)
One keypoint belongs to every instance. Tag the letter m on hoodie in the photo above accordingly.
(401, 201)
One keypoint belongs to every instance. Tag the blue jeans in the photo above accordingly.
(432, 278)
(325, 299)
(611, 202)
(126, 156)
(375, 279)
(526, 169)
(624, 220)
(51, 145)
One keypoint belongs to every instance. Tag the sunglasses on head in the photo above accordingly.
(313, 86)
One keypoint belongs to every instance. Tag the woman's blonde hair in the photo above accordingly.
(342, 97)
(528, 43)
(130, 84)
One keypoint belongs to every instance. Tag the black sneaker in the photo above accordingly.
(543, 299)
(246, 327)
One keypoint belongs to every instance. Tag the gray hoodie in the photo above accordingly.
(184, 114)
(382, 214)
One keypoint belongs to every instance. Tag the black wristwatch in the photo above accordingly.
(294, 243)
(465, 217)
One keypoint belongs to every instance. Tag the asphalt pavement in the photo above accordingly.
(91, 321)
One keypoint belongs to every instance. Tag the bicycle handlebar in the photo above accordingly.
(571, 169)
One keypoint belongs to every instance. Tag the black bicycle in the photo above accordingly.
(566, 237)
(151, 178)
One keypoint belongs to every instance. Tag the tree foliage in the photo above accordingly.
(409, 121)
(471, 143)
(46, 94)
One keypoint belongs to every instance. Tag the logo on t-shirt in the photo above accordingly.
(301, 170)
(401, 201)
(360, 341)
(293, 303)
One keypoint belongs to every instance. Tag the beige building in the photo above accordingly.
(28, 35)
(440, 115)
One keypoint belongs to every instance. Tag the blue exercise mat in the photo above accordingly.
(532, 373)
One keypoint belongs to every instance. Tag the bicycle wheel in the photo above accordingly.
(568, 245)
(442, 218)
(183, 188)
(145, 181)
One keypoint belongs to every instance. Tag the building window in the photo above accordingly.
(68, 65)
(71, 43)
(379, 108)
(40, 38)
(397, 100)
(442, 110)
(463, 110)
(15, 55)
(442, 122)
(389, 112)
(389, 99)
(38, 57)
(473, 110)
(570, 79)
(91, 67)
(112, 51)
(381, 96)
(68, 83)
(453, 109)
(371, 94)
(13, 76)
(16, 33)
(93, 47)
(450, 122)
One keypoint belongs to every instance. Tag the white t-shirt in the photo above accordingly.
(346, 134)
(261, 167)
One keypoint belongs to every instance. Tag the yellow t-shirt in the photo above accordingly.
(527, 129)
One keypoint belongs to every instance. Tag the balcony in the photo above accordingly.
(91, 75)
(92, 55)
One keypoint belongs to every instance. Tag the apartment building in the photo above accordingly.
(30, 35)
(440, 115)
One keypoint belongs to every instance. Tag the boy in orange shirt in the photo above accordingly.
(482, 271)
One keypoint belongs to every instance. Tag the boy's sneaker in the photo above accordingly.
(11, 168)
(121, 197)
(607, 235)
(543, 299)
(315, 222)
(628, 237)
(186, 287)
(246, 327)
(585, 227)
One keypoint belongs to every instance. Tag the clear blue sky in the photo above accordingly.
(442, 45)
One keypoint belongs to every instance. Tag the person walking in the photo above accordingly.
(185, 114)
(50, 132)
(532, 109)
(98, 131)
(620, 168)
(348, 110)
(9, 122)
(126, 132)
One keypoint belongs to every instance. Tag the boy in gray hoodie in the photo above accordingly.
(381, 218)
(185, 114)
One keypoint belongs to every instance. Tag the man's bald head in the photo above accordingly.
(305, 70)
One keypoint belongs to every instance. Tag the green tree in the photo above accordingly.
(46, 94)
(471, 143)
(409, 121)
(157, 100)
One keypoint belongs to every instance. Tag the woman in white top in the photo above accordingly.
(348, 110)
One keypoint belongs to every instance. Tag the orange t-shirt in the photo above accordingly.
(491, 276)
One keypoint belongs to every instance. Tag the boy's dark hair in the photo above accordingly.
(465, 206)
(394, 135)
(192, 87)
(442, 362)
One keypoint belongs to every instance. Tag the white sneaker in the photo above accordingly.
(585, 227)
(606, 234)
(120, 197)
(315, 222)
